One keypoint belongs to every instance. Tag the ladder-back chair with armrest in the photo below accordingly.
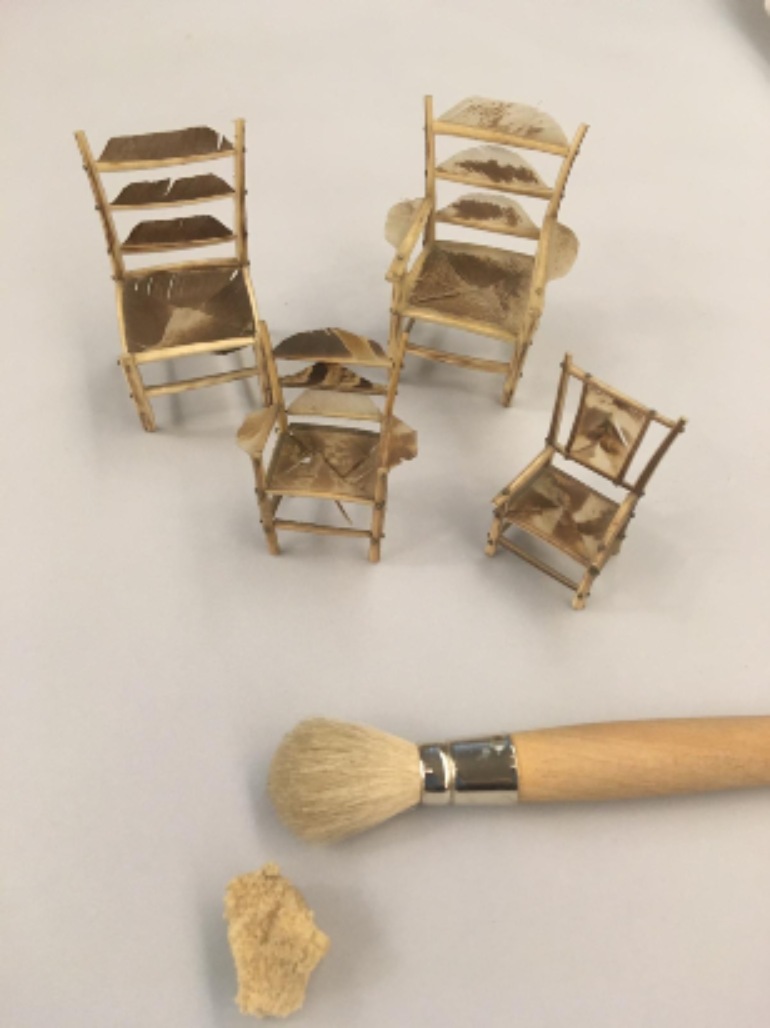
(189, 307)
(336, 441)
(485, 290)
(608, 433)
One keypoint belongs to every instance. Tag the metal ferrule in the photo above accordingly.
(474, 771)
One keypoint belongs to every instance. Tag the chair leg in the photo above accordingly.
(378, 518)
(583, 591)
(264, 379)
(493, 537)
(515, 371)
(265, 505)
(138, 394)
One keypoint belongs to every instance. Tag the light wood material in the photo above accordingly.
(477, 288)
(168, 192)
(162, 149)
(311, 459)
(188, 307)
(528, 125)
(494, 167)
(201, 382)
(643, 758)
(565, 511)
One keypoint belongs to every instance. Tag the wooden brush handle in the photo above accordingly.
(642, 758)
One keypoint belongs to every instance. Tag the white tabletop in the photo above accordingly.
(154, 653)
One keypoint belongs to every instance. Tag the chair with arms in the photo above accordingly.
(188, 307)
(333, 442)
(606, 436)
(489, 291)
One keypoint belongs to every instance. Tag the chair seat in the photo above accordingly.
(325, 461)
(563, 511)
(181, 308)
(480, 284)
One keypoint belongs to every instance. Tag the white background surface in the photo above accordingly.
(154, 653)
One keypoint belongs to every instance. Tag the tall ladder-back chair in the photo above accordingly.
(485, 290)
(610, 435)
(335, 441)
(189, 307)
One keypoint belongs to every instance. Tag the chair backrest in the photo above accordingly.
(504, 129)
(144, 153)
(608, 430)
(329, 388)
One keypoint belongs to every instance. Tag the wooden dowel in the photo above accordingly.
(443, 128)
(164, 162)
(170, 203)
(315, 494)
(535, 192)
(239, 196)
(199, 383)
(486, 226)
(191, 350)
(212, 262)
(318, 529)
(430, 173)
(102, 205)
(462, 361)
(561, 396)
(536, 563)
(478, 328)
(187, 244)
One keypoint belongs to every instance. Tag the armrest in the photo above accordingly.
(562, 253)
(253, 433)
(399, 442)
(526, 476)
(406, 220)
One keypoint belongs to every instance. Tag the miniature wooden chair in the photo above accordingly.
(189, 307)
(607, 433)
(312, 459)
(481, 289)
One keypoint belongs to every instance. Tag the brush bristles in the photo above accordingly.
(329, 779)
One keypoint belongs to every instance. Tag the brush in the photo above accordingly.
(329, 779)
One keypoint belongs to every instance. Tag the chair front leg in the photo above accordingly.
(515, 371)
(266, 509)
(378, 515)
(137, 392)
(495, 531)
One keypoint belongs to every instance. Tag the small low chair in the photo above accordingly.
(332, 442)
(606, 436)
(486, 290)
(190, 307)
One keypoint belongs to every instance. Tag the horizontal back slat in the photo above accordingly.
(176, 234)
(156, 149)
(494, 167)
(489, 214)
(172, 192)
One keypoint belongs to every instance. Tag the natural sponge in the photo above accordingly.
(274, 940)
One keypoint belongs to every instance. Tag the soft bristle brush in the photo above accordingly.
(329, 779)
